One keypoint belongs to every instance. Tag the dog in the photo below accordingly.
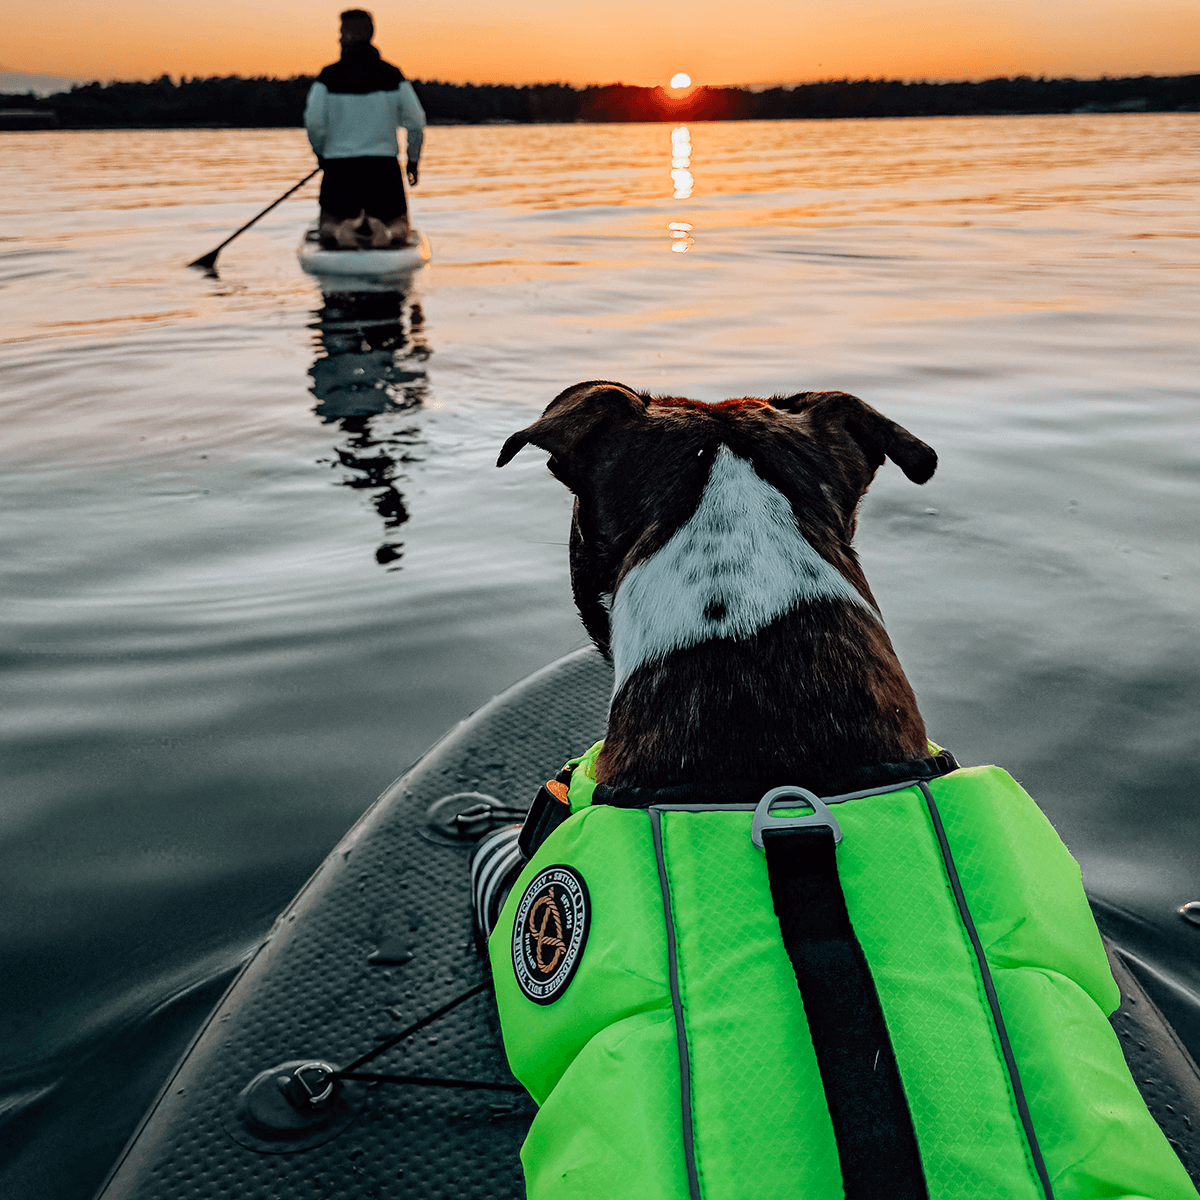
(711, 1000)
(722, 533)
(362, 232)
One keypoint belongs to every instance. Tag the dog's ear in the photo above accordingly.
(575, 414)
(875, 435)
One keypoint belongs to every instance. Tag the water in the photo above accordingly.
(257, 556)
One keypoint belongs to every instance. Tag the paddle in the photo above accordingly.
(207, 261)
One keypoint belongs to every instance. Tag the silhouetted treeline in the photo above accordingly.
(265, 103)
(234, 102)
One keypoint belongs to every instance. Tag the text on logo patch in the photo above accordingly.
(549, 932)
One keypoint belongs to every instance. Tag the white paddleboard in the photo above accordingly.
(378, 265)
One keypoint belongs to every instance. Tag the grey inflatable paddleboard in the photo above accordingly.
(377, 944)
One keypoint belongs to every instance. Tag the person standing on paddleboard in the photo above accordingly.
(352, 113)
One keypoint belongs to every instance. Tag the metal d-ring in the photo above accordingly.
(324, 1083)
(765, 819)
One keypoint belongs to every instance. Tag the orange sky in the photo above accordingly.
(630, 41)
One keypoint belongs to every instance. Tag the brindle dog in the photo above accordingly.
(712, 560)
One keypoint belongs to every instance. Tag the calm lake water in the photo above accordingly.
(257, 556)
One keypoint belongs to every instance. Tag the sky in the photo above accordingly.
(627, 41)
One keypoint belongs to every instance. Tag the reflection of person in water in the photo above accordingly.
(369, 366)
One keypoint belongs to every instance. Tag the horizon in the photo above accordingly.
(527, 42)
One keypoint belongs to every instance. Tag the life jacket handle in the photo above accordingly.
(764, 818)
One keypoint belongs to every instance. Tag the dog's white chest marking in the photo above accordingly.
(737, 564)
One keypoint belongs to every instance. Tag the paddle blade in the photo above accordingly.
(207, 261)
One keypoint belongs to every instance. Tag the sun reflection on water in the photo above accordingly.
(681, 236)
(681, 160)
(681, 177)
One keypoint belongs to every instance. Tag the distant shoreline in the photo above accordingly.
(236, 103)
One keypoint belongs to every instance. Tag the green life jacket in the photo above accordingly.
(652, 1012)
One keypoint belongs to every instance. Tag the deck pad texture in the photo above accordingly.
(310, 991)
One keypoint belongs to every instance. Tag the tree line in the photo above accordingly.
(235, 102)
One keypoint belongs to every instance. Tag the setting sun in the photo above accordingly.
(681, 80)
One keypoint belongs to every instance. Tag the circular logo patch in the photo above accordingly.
(549, 933)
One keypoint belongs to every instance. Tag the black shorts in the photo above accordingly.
(350, 185)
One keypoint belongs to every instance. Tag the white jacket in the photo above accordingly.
(361, 124)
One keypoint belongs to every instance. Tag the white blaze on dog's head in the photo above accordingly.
(736, 565)
(678, 538)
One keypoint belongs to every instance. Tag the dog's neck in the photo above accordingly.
(742, 653)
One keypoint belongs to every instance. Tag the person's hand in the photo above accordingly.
(413, 175)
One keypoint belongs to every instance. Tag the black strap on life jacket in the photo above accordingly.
(546, 813)
(877, 1146)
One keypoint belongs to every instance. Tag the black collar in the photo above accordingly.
(360, 70)
(830, 782)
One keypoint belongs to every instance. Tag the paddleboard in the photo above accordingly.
(396, 262)
(374, 969)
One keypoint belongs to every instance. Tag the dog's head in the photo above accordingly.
(638, 466)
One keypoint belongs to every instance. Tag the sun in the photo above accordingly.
(681, 80)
